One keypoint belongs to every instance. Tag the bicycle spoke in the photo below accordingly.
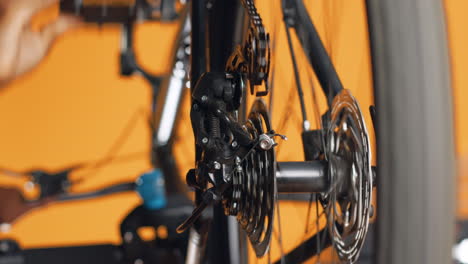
(333, 252)
(269, 256)
(280, 237)
(306, 124)
(293, 117)
(324, 236)
(306, 228)
(317, 224)
(288, 115)
(326, 26)
(315, 104)
(329, 27)
(309, 208)
(270, 82)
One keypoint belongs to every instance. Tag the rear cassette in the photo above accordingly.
(253, 196)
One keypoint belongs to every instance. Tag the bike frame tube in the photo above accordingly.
(197, 237)
(215, 33)
(167, 94)
(167, 106)
(223, 34)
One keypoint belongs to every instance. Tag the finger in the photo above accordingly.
(58, 27)
(21, 11)
(38, 5)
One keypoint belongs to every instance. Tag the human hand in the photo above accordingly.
(21, 48)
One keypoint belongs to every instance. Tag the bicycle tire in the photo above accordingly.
(415, 180)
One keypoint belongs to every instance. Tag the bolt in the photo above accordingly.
(138, 261)
(217, 165)
(371, 211)
(209, 5)
(139, 181)
(227, 177)
(128, 237)
(195, 107)
(345, 126)
(306, 125)
(234, 144)
(238, 163)
(266, 143)
(204, 98)
(204, 140)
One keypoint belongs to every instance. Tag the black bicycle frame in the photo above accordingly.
(297, 17)
(216, 30)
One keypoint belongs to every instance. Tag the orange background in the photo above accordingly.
(74, 106)
(72, 109)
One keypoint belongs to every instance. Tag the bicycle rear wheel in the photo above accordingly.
(416, 195)
(416, 198)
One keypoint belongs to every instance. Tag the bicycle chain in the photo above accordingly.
(253, 57)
